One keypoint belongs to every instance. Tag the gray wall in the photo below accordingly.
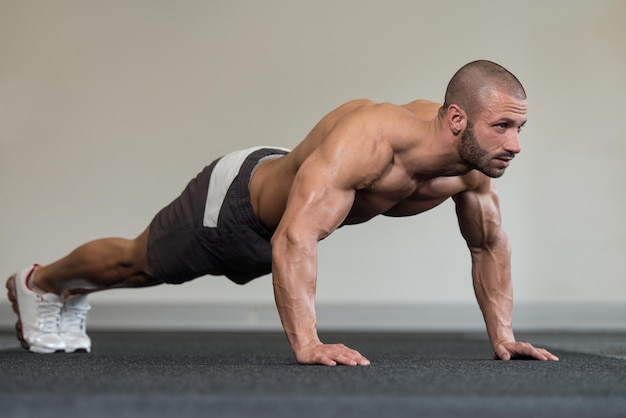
(108, 108)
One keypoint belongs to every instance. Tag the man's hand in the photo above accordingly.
(518, 350)
(330, 355)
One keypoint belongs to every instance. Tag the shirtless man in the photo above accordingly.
(265, 210)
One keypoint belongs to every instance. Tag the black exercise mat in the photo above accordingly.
(171, 374)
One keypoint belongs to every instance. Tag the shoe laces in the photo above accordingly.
(49, 313)
(75, 314)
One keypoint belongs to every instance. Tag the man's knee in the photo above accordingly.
(135, 266)
(139, 253)
(130, 256)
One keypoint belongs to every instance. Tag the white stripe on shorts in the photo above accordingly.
(222, 176)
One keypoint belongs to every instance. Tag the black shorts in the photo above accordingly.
(211, 227)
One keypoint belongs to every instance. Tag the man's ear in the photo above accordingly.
(456, 119)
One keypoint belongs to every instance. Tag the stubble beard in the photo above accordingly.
(477, 157)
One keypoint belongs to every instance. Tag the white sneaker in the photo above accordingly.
(38, 314)
(73, 327)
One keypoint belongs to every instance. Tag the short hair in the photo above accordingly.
(469, 85)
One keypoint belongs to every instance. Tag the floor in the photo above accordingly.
(218, 374)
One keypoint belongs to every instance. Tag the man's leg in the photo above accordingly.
(51, 301)
(98, 265)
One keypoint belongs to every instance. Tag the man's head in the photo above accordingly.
(471, 86)
(486, 105)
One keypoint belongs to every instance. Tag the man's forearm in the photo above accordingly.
(493, 287)
(294, 273)
(296, 312)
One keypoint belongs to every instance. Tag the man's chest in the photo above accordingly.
(403, 199)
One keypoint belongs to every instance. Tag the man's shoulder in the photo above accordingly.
(447, 186)
(422, 109)
(475, 181)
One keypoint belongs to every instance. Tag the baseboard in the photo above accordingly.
(403, 317)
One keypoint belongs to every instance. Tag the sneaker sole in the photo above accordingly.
(12, 295)
(79, 350)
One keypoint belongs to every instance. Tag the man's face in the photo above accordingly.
(489, 143)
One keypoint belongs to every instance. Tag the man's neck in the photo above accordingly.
(440, 146)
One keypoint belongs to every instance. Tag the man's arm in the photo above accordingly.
(321, 197)
(478, 212)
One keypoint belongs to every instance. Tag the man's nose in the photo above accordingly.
(513, 145)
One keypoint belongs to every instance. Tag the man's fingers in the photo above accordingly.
(502, 354)
(538, 353)
(332, 355)
(549, 355)
(519, 350)
(327, 362)
(528, 351)
(345, 355)
(358, 361)
(352, 358)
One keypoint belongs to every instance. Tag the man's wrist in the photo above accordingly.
(500, 333)
(301, 344)
(502, 337)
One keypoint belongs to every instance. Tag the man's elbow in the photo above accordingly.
(290, 244)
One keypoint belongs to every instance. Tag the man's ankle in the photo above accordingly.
(37, 283)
